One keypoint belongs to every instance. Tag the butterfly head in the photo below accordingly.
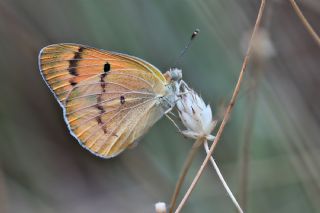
(174, 74)
(169, 99)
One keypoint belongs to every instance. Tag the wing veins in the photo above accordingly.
(90, 84)
(111, 146)
(106, 122)
(83, 122)
(112, 72)
(64, 46)
(82, 59)
(111, 54)
(101, 102)
(111, 92)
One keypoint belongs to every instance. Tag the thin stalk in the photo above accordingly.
(184, 172)
(249, 125)
(228, 110)
(305, 22)
(224, 183)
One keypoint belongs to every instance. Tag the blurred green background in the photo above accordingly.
(276, 118)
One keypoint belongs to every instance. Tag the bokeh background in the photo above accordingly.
(269, 152)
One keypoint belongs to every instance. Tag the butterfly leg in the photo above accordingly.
(186, 88)
(174, 123)
(183, 83)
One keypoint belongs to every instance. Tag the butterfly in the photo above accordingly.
(109, 99)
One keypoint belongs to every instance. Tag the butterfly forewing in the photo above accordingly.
(109, 99)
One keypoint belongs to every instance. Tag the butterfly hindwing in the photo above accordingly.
(109, 99)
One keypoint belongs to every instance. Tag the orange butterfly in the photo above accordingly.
(109, 99)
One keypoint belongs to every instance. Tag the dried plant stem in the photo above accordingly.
(251, 102)
(224, 183)
(183, 173)
(245, 151)
(228, 110)
(305, 22)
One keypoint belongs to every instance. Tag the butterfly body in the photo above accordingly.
(109, 99)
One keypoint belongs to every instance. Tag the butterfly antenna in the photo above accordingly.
(184, 50)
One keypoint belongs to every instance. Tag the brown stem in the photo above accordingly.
(183, 173)
(245, 151)
(228, 110)
(305, 22)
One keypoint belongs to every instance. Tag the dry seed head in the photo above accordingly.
(160, 207)
(195, 115)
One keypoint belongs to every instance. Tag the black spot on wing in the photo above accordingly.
(122, 99)
(72, 82)
(106, 67)
(74, 62)
(102, 82)
(99, 107)
(99, 99)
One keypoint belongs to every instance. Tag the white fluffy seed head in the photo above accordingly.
(194, 113)
(160, 207)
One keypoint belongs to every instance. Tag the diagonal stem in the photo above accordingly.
(228, 110)
(224, 183)
(183, 173)
(305, 22)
